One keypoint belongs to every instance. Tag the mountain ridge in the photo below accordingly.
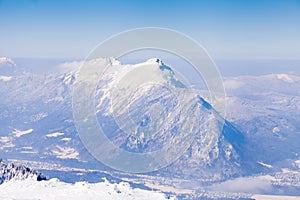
(13, 172)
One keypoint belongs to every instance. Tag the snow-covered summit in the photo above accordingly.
(7, 68)
(6, 62)
(155, 60)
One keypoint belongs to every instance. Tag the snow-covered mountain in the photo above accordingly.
(216, 152)
(37, 110)
(37, 123)
(7, 67)
(7, 62)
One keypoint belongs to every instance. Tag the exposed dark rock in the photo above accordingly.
(13, 171)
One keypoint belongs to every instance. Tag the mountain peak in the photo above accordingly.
(161, 65)
(4, 61)
(113, 61)
(155, 60)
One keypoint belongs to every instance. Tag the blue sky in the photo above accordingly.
(227, 29)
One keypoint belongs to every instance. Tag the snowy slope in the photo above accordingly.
(57, 190)
(20, 182)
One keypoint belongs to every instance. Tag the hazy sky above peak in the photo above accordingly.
(257, 29)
